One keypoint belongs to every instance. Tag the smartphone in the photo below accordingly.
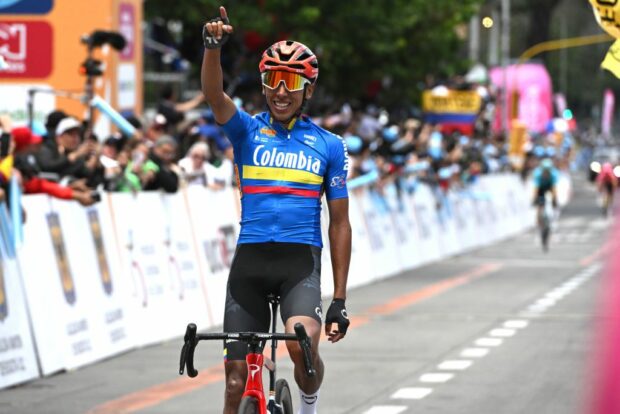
(5, 140)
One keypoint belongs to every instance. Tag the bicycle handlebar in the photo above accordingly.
(191, 339)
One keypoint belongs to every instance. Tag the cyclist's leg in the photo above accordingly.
(246, 310)
(301, 302)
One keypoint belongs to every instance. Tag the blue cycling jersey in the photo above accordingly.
(282, 173)
(542, 182)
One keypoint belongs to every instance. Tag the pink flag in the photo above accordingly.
(609, 101)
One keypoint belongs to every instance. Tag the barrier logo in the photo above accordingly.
(4, 310)
(102, 258)
(220, 251)
(26, 6)
(27, 49)
(66, 279)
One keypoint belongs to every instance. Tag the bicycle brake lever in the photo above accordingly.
(306, 344)
(187, 352)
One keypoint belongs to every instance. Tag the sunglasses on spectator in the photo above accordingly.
(292, 81)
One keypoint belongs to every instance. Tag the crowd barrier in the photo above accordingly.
(133, 270)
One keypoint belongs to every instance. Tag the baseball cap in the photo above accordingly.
(23, 136)
(66, 125)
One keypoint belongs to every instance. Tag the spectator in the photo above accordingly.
(69, 157)
(140, 170)
(163, 155)
(26, 143)
(111, 163)
(174, 111)
(157, 128)
(196, 169)
(51, 123)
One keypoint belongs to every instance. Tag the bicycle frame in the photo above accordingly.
(255, 359)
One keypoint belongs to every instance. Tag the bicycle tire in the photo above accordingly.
(283, 397)
(545, 237)
(249, 405)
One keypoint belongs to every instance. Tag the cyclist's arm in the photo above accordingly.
(213, 84)
(189, 105)
(340, 244)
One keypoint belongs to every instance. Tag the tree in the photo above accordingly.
(360, 43)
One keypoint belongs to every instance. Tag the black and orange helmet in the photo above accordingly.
(290, 56)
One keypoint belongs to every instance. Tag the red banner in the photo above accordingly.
(27, 49)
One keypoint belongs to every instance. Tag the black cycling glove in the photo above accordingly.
(337, 313)
(211, 42)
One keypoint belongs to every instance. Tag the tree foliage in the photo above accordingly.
(394, 43)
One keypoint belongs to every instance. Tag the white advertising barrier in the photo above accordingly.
(463, 210)
(327, 273)
(18, 362)
(90, 248)
(183, 264)
(565, 189)
(405, 227)
(361, 269)
(448, 237)
(425, 209)
(214, 219)
(64, 286)
(140, 225)
(381, 233)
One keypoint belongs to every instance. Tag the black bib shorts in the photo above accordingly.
(289, 270)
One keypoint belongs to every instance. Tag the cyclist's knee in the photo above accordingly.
(235, 378)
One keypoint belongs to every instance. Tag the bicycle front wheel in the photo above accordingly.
(283, 397)
(249, 405)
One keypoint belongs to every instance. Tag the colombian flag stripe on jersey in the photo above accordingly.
(259, 189)
(281, 174)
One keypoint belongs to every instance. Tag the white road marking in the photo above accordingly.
(556, 294)
(474, 352)
(435, 377)
(537, 308)
(516, 324)
(503, 333)
(546, 302)
(529, 314)
(455, 365)
(489, 342)
(386, 409)
(411, 393)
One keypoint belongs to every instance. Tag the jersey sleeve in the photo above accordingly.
(239, 127)
(337, 169)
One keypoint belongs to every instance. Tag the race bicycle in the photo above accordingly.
(253, 400)
(547, 214)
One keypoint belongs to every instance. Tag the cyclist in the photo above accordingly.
(607, 182)
(283, 163)
(545, 180)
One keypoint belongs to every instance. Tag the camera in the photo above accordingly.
(95, 196)
(5, 143)
(99, 38)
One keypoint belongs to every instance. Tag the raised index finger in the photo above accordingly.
(223, 13)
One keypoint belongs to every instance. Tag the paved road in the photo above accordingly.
(505, 329)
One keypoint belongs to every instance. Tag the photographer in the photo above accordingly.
(69, 157)
(163, 155)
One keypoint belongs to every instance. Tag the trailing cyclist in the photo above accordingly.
(545, 180)
(607, 183)
(284, 163)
